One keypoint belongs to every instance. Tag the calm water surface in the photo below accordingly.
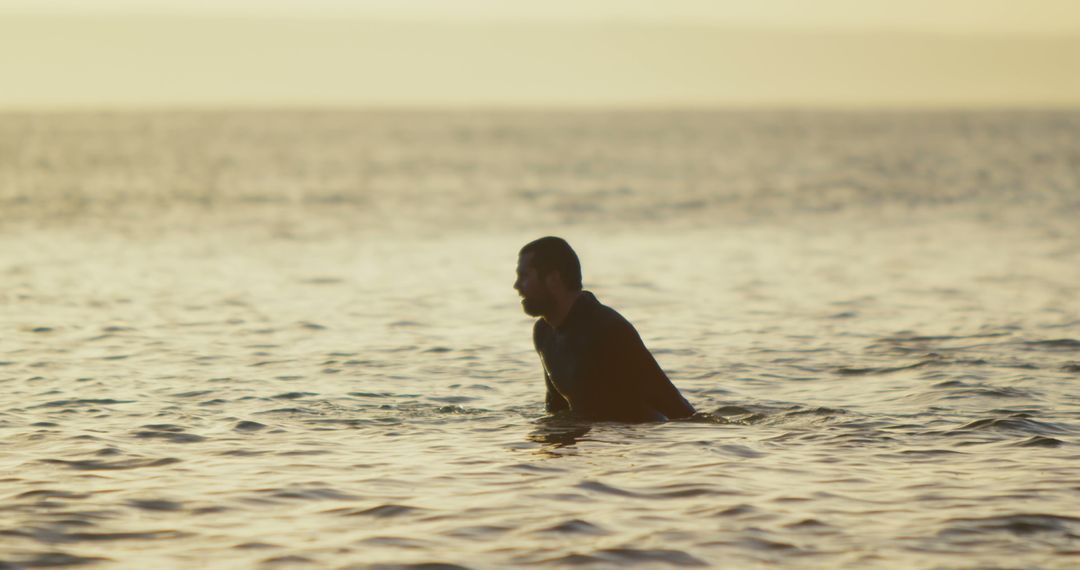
(281, 340)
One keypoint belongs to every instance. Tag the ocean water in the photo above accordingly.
(289, 339)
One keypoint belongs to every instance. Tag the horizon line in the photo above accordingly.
(211, 108)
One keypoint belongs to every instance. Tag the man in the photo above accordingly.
(595, 364)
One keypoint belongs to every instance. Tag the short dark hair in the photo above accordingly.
(553, 253)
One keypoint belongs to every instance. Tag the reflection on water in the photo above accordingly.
(558, 431)
(290, 340)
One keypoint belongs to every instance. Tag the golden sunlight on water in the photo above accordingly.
(332, 370)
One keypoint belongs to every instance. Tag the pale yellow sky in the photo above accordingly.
(607, 53)
(968, 16)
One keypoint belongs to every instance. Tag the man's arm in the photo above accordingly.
(554, 400)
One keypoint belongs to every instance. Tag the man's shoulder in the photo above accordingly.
(606, 328)
(608, 318)
(541, 330)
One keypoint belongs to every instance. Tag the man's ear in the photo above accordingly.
(553, 280)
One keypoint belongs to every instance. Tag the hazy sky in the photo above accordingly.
(125, 53)
(945, 15)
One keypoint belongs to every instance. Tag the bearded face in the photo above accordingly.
(537, 305)
(536, 299)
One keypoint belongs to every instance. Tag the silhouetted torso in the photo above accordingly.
(596, 365)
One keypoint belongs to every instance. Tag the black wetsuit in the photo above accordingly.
(596, 365)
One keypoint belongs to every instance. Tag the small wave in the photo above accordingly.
(967, 391)
(322, 280)
(170, 436)
(1018, 524)
(95, 465)
(677, 491)
(54, 535)
(576, 526)
(740, 451)
(732, 411)
(908, 343)
(287, 560)
(423, 410)
(52, 560)
(293, 395)
(295, 410)
(732, 415)
(729, 511)
(243, 452)
(397, 542)
(247, 425)
(907, 453)
(353, 423)
(1019, 424)
(156, 505)
(807, 524)
(402, 324)
(1055, 344)
(634, 556)
(459, 410)
(79, 402)
(606, 489)
(873, 371)
(194, 394)
(818, 411)
(1019, 412)
(685, 490)
(902, 337)
(103, 536)
(50, 494)
(761, 414)
(419, 566)
(310, 494)
(382, 395)
(766, 545)
(379, 512)
(254, 546)
(267, 363)
(626, 557)
(478, 532)
(453, 399)
(1040, 441)
(164, 427)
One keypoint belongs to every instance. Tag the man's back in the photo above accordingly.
(596, 365)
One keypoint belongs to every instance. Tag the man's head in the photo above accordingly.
(548, 270)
